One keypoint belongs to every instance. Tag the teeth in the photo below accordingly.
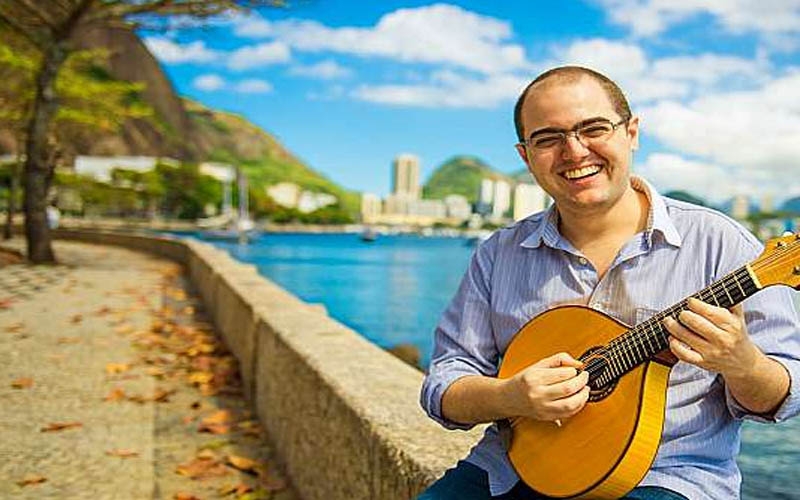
(581, 172)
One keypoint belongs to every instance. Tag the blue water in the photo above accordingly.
(393, 291)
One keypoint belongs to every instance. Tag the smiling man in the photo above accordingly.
(609, 242)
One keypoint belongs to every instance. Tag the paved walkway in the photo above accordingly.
(112, 385)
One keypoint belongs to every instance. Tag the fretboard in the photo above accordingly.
(649, 338)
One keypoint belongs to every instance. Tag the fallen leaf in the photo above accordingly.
(218, 417)
(22, 383)
(188, 419)
(31, 479)
(199, 378)
(60, 426)
(116, 394)
(76, 318)
(237, 489)
(69, 340)
(6, 303)
(14, 328)
(243, 463)
(103, 311)
(114, 368)
(122, 453)
(214, 428)
(124, 329)
(155, 371)
(162, 395)
(202, 468)
(182, 495)
(188, 310)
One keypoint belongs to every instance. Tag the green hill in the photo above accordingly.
(460, 175)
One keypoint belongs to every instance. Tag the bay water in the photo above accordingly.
(393, 290)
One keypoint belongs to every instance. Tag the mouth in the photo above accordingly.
(581, 173)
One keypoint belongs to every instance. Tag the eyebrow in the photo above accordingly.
(582, 123)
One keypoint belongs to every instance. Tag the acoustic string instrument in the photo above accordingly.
(606, 449)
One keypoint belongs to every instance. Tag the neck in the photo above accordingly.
(626, 217)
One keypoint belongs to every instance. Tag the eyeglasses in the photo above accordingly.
(595, 132)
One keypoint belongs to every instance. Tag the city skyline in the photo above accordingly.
(348, 86)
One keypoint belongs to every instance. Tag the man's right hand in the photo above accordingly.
(550, 389)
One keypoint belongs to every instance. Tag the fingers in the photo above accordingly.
(567, 388)
(568, 406)
(560, 359)
(717, 316)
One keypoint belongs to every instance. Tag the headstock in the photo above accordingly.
(779, 263)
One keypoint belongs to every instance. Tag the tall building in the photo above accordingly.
(370, 207)
(405, 177)
(528, 199)
(502, 199)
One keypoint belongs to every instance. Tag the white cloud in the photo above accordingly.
(710, 69)
(167, 51)
(324, 70)
(255, 56)
(438, 33)
(650, 17)
(447, 89)
(254, 86)
(714, 182)
(209, 82)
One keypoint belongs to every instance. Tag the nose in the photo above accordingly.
(573, 148)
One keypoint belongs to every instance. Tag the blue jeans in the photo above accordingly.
(470, 482)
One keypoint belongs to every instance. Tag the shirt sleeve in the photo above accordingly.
(464, 343)
(773, 325)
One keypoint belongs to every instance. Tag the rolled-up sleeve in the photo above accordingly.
(772, 324)
(463, 340)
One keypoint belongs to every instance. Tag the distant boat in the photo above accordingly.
(229, 226)
(368, 235)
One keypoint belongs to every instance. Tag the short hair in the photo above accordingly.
(572, 74)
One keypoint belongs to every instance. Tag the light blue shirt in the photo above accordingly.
(528, 268)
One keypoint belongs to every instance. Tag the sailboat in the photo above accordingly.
(238, 227)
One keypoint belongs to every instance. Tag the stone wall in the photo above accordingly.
(342, 413)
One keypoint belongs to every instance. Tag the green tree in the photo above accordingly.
(50, 27)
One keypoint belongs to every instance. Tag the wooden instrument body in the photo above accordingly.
(605, 450)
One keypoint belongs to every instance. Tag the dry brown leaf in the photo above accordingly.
(200, 377)
(69, 340)
(188, 310)
(244, 464)
(214, 428)
(162, 395)
(6, 303)
(116, 394)
(102, 311)
(188, 419)
(237, 489)
(115, 368)
(122, 453)
(219, 417)
(76, 318)
(31, 479)
(14, 327)
(202, 468)
(182, 495)
(22, 383)
(60, 426)
(155, 371)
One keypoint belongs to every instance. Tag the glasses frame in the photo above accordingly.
(574, 131)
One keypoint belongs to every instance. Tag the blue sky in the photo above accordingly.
(348, 85)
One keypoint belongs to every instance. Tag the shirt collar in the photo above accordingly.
(658, 220)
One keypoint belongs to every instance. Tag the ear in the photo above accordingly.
(522, 151)
(633, 132)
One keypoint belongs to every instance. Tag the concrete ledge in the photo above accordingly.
(343, 413)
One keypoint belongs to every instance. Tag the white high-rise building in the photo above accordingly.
(528, 199)
(740, 207)
(457, 206)
(370, 207)
(502, 199)
(405, 177)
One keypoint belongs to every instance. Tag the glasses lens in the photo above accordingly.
(546, 141)
(596, 131)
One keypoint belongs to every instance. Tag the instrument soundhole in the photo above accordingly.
(595, 361)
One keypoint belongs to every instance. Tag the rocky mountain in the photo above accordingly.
(461, 175)
(181, 128)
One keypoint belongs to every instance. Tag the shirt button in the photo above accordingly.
(582, 260)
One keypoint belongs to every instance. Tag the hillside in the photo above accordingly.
(184, 129)
(460, 175)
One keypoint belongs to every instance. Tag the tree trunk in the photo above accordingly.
(13, 184)
(38, 168)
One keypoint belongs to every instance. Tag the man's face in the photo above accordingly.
(580, 178)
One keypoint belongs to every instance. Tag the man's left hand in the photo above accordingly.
(713, 338)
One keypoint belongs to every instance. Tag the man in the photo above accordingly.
(612, 243)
